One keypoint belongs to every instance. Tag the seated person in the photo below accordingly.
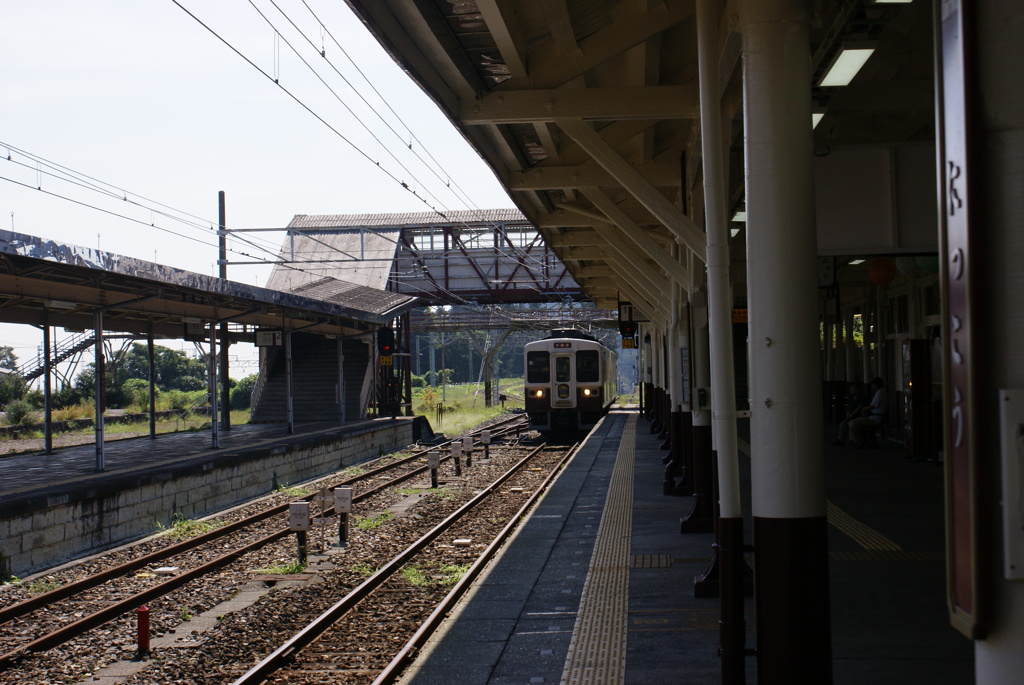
(855, 404)
(862, 429)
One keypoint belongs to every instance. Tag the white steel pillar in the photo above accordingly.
(99, 369)
(288, 383)
(787, 470)
(341, 380)
(214, 407)
(723, 387)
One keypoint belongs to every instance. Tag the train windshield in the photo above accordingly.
(538, 367)
(587, 369)
(563, 366)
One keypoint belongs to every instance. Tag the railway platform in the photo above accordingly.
(54, 507)
(597, 585)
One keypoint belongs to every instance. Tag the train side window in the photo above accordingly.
(587, 368)
(538, 367)
(563, 366)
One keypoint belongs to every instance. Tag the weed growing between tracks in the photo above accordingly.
(182, 528)
(369, 523)
(284, 569)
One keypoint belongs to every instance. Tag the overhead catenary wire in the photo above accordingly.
(518, 255)
(309, 109)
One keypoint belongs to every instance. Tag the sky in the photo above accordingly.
(139, 96)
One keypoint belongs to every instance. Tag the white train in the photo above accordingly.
(571, 380)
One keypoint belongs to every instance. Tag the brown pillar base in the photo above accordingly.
(794, 638)
(701, 518)
(674, 459)
(685, 485)
(731, 624)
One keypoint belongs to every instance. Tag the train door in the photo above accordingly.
(564, 398)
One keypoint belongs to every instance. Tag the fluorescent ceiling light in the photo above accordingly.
(854, 262)
(846, 64)
(816, 118)
(60, 304)
(893, 2)
(740, 215)
(734, 232)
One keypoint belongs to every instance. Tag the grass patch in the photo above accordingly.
(284, 569)
(371, 522)
(445, 575)
(38, 587)
(464, 405)
(362, 569)
(452, 573)
(186, 615)
(182, 528)
(415, 576)
(293, 491)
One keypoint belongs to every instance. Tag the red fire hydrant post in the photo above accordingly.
(143, 624)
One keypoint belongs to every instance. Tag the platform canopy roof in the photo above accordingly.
(588, 112)
(43, 282)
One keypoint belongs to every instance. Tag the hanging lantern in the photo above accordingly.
(881, 271)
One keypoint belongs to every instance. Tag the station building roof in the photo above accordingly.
(44, 282)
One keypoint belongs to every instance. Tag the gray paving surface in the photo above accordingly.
(26, 473)
(888, 613)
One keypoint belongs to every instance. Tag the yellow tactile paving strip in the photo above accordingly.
(865, 536)
(597, 652)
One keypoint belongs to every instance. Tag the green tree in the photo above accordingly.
(8, 360)
(174, 369)
(241, 394)
(12, 387)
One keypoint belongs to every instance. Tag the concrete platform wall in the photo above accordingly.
(86, 520)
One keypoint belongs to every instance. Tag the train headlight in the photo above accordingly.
(539, 392)
(586, 392)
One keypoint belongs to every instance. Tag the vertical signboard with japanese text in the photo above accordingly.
(965, 561)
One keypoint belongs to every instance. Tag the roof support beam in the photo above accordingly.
(543, 177)
(623, 103)
(503, 25)
(630, 179)
(644, 242)
(551, 67)
(632, 264)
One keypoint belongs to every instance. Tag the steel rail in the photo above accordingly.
(318, 626)
(76, 628)
(31, 604)
(72, 630)
(408, 653)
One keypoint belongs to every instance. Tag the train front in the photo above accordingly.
(564, 383)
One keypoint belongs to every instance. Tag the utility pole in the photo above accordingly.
(225, 380)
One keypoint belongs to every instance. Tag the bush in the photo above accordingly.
(18, 412)
(12, 387)
(35, 399)
(67, 396)
(75, 411)
(191, 383)
(177, 399)
(241, 394)
(136, 393)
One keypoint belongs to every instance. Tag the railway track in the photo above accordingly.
(65, 613)
(373, 632)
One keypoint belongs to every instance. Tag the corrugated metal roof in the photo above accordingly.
(360, 257)
(405, 219)
(351, 295)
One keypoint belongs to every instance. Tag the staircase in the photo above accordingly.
(315, 376)
(66, 349)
